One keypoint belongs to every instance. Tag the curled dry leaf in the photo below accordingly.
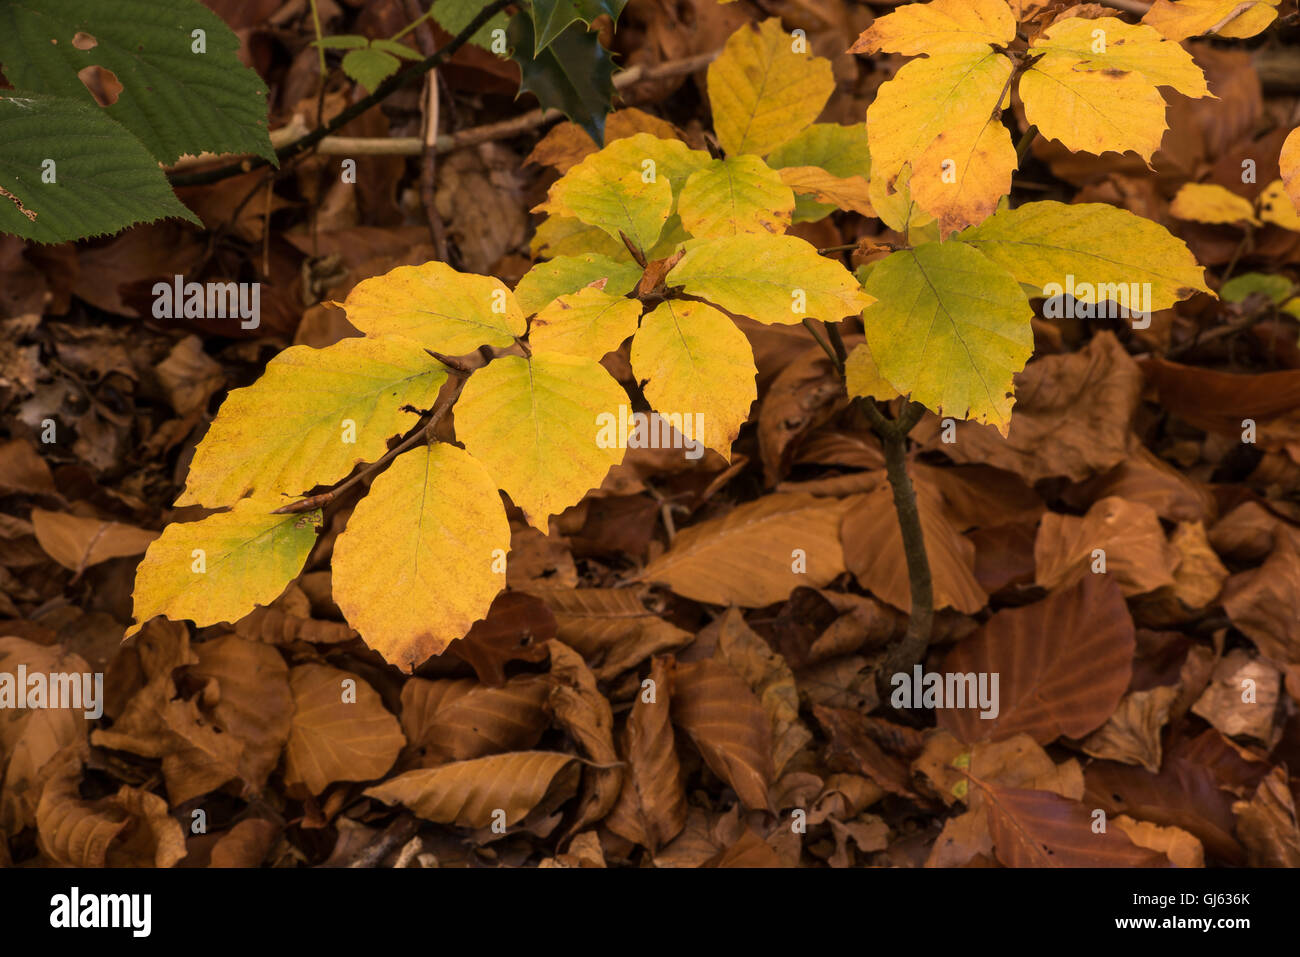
(1132, 734)
(76, 542)
(585, 713)
(1242, 697)
(341, 730)
(611, 628)
(1132, 543)
(1264, 603)
(244, 845)
(726, 722)
(752, 555)
(651, 808)
(1063, 665)
(1267, 823)
(1182, 849)
(459, 719)
(469, 793)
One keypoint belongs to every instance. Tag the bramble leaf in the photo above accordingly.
(441, 309)
(771, 279)
(565, 275)
(587, 323)
(741, 194)
(105, 179)
(413, 570)
(174, 100)
(370, 66)
(951, 328)
(762, 92)
(694, 360)
(220, 568)
(1093, 87)
(1224, 18)
(1043, 243)
(311, 417)
(534, 424)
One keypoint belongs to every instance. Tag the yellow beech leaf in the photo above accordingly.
(771, 279)
(740, 194)
(861, 376)
(1289, 161)
(219, 568)
(441, 309)
(1211, 203)
(1093, 87)
(941, 26)
(587, 323)
(895, 207)
(535, 425)
(418, 563)
(842, 151)
(841, 192)
(629, 205)
(938, 118)
(470, 793)
(1106, 247)
(1225, 18)
(567, 236)
(651, 158)
(568, 274)
(762, 91)
(1276, 207)
(950, 328)
(312, 416)
(698, 369)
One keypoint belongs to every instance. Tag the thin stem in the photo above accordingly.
(810, 325)
(1026, 141)
(382, 91)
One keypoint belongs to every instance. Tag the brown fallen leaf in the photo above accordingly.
(586, 715)
(1042, 829)
(76, 542)
(1073, 416)
(1132, 734)
(1063, 665)
(1146, 478)
(873, 550)
(128, 829)
(853, 749)
(651, 809)
(516, 628)
(1267, 823)
(341, 730)
(1245, 534)
(749, 851)
(1264, 603)
(31, 737)
(456, 719)
(244, 845)
(1182, 849)
(768, 675)
(611, 628)
(563, 147)
(499, 788)
(806, 393)
(22, 471)
(757, 553)
(1218, 401)
(726, 722)
(1242, 698)
(1120, 539)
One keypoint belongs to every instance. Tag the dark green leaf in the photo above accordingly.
(574, 74)
(552, 16)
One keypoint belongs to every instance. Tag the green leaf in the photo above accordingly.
(415, 568)
(574, 74)
(1045, 243)
(173, 100)
(455, 15)
(614, 195)
(771, 279)
(1276, 288)
(399, 50)
(104, 178)
(552, 16)
(370, 67)
(312, 416)
(220, 568)
(567, 274)
(347, 41)
(951, 328)
(840, 150)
